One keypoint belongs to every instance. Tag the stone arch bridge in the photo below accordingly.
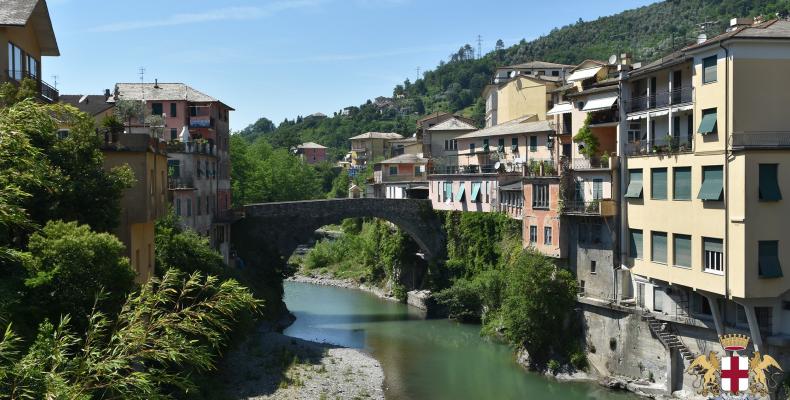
(285, 225)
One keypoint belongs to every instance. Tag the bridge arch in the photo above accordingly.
(283, 226)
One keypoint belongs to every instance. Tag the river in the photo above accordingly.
(423, 359)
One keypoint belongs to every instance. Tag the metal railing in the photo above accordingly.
(45, 90)
(659, 99)
(537, 167)
(475, 169)
(592, 207)
(201, 122)
(661, 145)
(180, 183)
(760, 140)
(190, 147)
(591, 163)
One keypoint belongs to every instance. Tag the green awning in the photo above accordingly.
(712, 184)
(513, 147)
(460, 195)
(708, 123)
(768, 263)
(448, 191)
(634, 184)
(635, 244)
(769, 187)
(475, 190)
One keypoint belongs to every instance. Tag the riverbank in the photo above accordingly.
(316, 278)
(270, 365)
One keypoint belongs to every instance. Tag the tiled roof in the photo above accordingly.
(160, 91)
(537, 64)
(453, 124)
(92, 104)
(378, 135)
(517, 126)
(405, 159)
(35, 12)
(310, 145)
(773, 29)
(16, 12)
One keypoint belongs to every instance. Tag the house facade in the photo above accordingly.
(370, 147)
(311, 153)
(401, 177)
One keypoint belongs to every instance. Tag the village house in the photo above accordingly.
(401, 177)
(311, 153)
(371, 147)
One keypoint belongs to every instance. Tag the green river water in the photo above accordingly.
(422, 359)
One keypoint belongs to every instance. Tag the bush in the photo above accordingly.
(463, 301)
(184, 249)
(579, 361)
(553, 366)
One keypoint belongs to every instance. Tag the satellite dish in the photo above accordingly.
(613, 59)
(497, 166)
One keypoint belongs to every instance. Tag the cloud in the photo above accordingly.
(222, 14)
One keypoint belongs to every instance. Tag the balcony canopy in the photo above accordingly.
(602, 101)
(583, 74)
(561, 108)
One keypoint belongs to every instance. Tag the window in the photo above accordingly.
(540, 196)
(533, 234)
(555, 73)
(658, 183)
(709, 69)
(63, 133)
(676, 129)
(593, 267)
(658, 300)
(658, 247)
(578, 191)
(514, 144)
(453, 144)
(173, 110)
(635, 245)
(769, 186)
(448, 191)
(501, 144)
(634, 184)
(208, 206)
(32, 66)
(681, 183)
(14, 62)
(198, 209)
(768, 262)
(485, 144)
(712, 183)
(713, 253)
(156, 109)
(471, 147)
(547, 235)
(174, 168)
(634, 132)
(178, 207)
(173, 134)
(460, 195)
(681, 246)
(708, 124)
(393, 170)
(418, 170)
(533, 143)
(447, 145)
(189, 207)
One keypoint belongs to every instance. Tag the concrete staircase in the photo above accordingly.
(666, 334)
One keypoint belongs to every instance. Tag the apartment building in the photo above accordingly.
(409, 145)
(26, 30)
(532, 68)
(311, 153)
(196, 127)
(704, 165)
(401, 177)
(370, 147)
(519, 96)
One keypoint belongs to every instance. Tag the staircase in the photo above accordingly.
(666, 334)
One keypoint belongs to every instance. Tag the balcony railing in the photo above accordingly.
(45, 90)
(475, 169)
(201, 122)
(602, 207)
(180, 182)
(662, 145)
(592, 163)
(190, 147)
(659, 99)
(760, 140)
(536, 167)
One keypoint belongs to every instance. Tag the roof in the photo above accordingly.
(20, 12)
(310, 145)
(432, 116)
(773, 29)
(410, 139)
(536, 64)
(668, 60)
(378, 135)
(405, 159)
(517, 126)
(92, 104)
(453, 124)
(161, 91)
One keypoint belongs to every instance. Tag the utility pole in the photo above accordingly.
(479, 47)
(55, 81)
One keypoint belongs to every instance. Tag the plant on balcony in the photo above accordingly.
(593, 206)
(605, 159)
(127, 110)
(548, 169)
(534, 167)
(588, 142)
(113, 126)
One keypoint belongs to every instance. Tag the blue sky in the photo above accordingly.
(283, 58)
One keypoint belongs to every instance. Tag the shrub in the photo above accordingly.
(579, 361)
(463, 301)
(184, 249)
(553, 366)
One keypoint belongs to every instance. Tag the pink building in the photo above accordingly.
(311, 153)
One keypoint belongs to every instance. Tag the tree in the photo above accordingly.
(500, 45)
(69, 265)
(128, 110)
(184, 249)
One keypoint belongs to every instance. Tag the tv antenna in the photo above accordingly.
(55, 81)
(142, 75)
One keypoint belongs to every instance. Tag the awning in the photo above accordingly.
(768, 265)
(769, 185)
(560, 108)
(602, 101)
(636, 117)
(475, 190)
(583, 74)
(708, 123)
(460, 195)
(659, 113)
(634, 185)
(712, 184)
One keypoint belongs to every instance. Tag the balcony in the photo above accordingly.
(599, 207)
(760, 140)
(475, 169)
(536, 167)
(202, 121)
(190, 147)
(660, 99)
(595, 163)
(182, 183)
(46, 91)
(660, 146)
(137, 142)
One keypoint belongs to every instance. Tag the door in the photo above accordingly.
(566, 149)
(658, 300)
(677, 86)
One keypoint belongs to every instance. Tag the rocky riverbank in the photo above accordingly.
(327, 280)
(270, 365)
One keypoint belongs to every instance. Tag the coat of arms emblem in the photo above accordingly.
(733, 375)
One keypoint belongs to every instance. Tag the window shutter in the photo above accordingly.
(768, 262)
(658, 248)
(712, 183)
(658, 183)
(682, 183)
(682, 249)
(635, 250)
(769, 186)
(708, 123)
(634, 184)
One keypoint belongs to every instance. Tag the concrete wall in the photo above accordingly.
(593, 239)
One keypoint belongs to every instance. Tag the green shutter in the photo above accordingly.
(460, 195)
(475, 190)
(634, 184)
(682, 248)
(533, 143)
(712, 184)
(597, 189)
(448, 191)
(658, 247)
(769, 186)
(768, 263)
(682, 183)
(635, 250)
(658, 183)
(708, 123)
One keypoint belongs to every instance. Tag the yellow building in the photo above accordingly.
(370, 146)
(518, 97)
(26, 30)
(704, 140)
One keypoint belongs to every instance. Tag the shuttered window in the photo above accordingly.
(658, 247)
(448, 191)
(634, 184)
(635, 245)
(768, 261)
(681, 183)
(709, 69)
(658, 183)
(708, 123)
(533, 234)
(712, 183)
(156, 108)
(533, 143)
(460, 195)
(476, 192)
(597, 189)
(769, 186)
(681, 247)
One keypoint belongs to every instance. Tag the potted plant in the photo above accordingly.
(605, 159)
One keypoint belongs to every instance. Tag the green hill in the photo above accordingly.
(647, 33)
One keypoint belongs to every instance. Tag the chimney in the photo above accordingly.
(736, 23)
(106, 94)
(625, 59)
(156, 83)
(701, 38)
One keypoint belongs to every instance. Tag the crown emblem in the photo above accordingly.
(734, 342)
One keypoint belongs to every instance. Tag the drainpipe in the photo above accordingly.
(726, 172)
(622, 170)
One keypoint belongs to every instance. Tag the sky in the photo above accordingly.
(283, 58)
